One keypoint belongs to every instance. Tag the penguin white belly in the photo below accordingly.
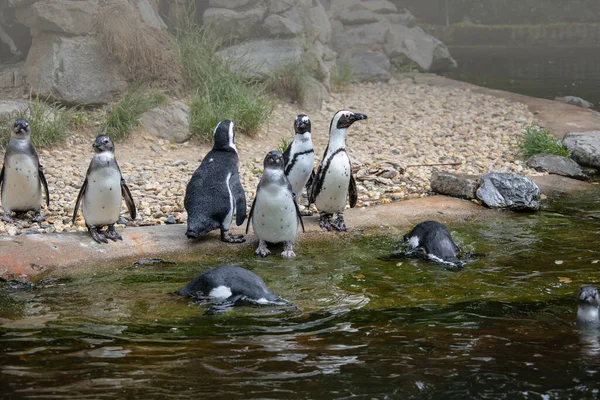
(102, 198)
(274, 217)
(21, 189)
(300, 173)
(332, 197)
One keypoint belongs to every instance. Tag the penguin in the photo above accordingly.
(22, 176)
(434, 240)
(588, 307)
(334, 179)
(229, 285)
(299, 157)
(274, 212)
(101, 192)
(214, 193)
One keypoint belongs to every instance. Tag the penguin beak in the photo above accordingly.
(358, 117)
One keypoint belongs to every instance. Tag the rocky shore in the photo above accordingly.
(411, 126)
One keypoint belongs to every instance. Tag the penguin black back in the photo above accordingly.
(435, 240)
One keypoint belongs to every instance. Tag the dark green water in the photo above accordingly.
(503, 327)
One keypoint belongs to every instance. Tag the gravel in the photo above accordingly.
(409, 125)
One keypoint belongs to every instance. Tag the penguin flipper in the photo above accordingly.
(44, 182)
(78, 201)
(299, 215)
(251, 212)
(312, 195)
(352, 192)
(1, 176)
(310, 181)
(240, 199)
(128, 199)
(286, 155)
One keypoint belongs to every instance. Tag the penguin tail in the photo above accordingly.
(194, 234)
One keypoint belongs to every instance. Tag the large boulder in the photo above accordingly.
(229, 23)
(513, 191)
(73, 17)
(584, 147)
(455, 185)
(558, 165)
(370, 66)
(10, 108)
(427, 51)
(72, 70)
(149, 15)
(276, 25)
(169, 122)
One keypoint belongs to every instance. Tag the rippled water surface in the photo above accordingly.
(503, 327)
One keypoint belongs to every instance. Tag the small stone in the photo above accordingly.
(171, 220)
(156, 149)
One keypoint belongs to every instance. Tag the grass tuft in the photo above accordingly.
(284, 144)
(125, 115)
(289, 81)
(537, 140)
(49, 123)
(341, 76)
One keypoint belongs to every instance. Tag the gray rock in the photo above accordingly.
(555, 186)
(149, 15)
(513, 191)
(72, 70)
(229, 3)
(234, 24)
(370, 66)
(404, 18)
(584, 147)
(261, 57)
(316, 93)
(276, 25)
(380, 6)
(179, 162)
(320, 24)
(427, 51)
(171, 220)
(279, 6)
(358, 17)
(169, 122)
(74, 17)
(156, 149)
(575, 101)
(369, 36)
(558, 165)
(10, 108)
(11, 76)
(455, 185)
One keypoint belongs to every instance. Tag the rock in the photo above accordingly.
(74, 17)
(321, 26)
(279, 6)
(456, 185)
(229, 3)
(380, 6)
(156, 149)
(506, 190)
(354, 16)
(584, 147)
(575, 101)
(370, 66)
(234, 24)
(554, 186)
(9, 108)
(558, 165)
(72, 70)
(11, 76)
(276, 25)
(315, 94)
(369, 36)
(261, 57)
(179, 162)
(149, 15)
(404, 18)
(427, 51)
(171, 220)
(169, 122)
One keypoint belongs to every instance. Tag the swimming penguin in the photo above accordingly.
(228, 285)
(101, 193)
(334, 179)
(299, 157)
(214, 193)
(274, 211)
(434, 240)
(588, 307)
(22, 175)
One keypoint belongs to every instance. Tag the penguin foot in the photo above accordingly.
(97, 235)
(325, 222)
(288, 251)
(38, 217)
(229, 238)
(339, 224)
(262, 250)
(112, 234)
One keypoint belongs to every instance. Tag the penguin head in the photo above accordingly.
(343, 119)
(103, 143)
(589, 295)
(302, 124)
(21, 128)
(224, 136)
(274, 160)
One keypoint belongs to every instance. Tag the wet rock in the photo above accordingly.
(584, 147)
(456, 185)
(575, 101)
(508, 190)
(558, 165)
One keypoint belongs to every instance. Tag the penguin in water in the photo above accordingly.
(274, 213)
(101, 193)
(334, 181)
(299, 157)
(434, 240)
(22, 175)
(228, 285)
(214, 193)
(588, 308)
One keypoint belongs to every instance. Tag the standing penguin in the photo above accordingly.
(588, 308)
(299, 157)
(22, 175)
(334, 179)
(274, 212)
(101, 193)
(214, 193)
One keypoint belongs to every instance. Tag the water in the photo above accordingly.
(503, 327)
(545, 72)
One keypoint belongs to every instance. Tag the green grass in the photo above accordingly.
(341, 76)
(283, 144)
(220, 89)
(125, 115)
(49, 123)
(290, 81)
(537, 140)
